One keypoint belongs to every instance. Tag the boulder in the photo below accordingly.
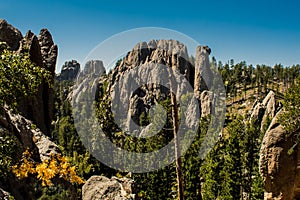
(103, 188)
(279, 167)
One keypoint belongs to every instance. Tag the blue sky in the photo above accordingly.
(259, 32)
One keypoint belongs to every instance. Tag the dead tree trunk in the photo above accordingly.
(180, 189)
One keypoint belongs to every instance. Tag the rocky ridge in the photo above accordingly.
(157, 56)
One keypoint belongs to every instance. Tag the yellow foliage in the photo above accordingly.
(27, 166)
(57, 165)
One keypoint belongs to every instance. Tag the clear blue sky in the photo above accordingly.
(259, 32)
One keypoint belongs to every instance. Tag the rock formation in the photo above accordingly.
(94, 67)
(150, 62)
(102, 188)
(10, 35)
(279, 167)
(91, 72)
(203, 74)
(263, 112)
(30, 137)
(43, 52)
(167, 52)
(69, 71)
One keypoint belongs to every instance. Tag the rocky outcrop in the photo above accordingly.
(94, 67)
(10, 35)
(31, 121)
(149, 61)
(257, 113)
(69, 71)
(43, 52)
(263, 112)
(30, 44)
(49, 50)
(203, 80)
(92, 70)
(203, 73)
(29, 136)
(279, 167)
(44, 145)
(165, 52)
(270, 104)
(100, 187)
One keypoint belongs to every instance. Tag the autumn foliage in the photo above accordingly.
(56, 166)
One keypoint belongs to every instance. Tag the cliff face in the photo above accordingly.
(43, 52)
(148, 61)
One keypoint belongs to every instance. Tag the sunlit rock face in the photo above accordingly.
(278, 167)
